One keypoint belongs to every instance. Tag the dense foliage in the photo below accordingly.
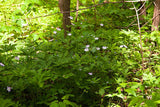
(98, 64)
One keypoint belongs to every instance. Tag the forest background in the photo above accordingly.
(79, 53)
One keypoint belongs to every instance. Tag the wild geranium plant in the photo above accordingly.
(2, 64)
(98, 63)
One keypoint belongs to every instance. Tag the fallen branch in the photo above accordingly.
(139, 29)
(141, 12)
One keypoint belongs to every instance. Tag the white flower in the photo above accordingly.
(97, 48)
(17, 58)
(12, 34)
(149, 97)
(123, 46)
(107, 82)
(70, 17)
(139, 45)
(96, 38)
(1, 64)
(86, 49)
(51, 40)
(82, 36)
(58, 29)
(81, 23)
(90, 73)
(73, 24)
(87, 46)
(69, 34)
(24, 25)
(104, 47)
(55, 32)
(38, 52)
(101, 24)
(9, 89)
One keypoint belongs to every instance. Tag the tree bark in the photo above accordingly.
(156, 17)
(77, 8)
(64, 6)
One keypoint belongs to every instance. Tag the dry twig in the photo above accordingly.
(139, 29)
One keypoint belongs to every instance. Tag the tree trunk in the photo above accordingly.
(156, 17)
(77, 8)
(64, 6)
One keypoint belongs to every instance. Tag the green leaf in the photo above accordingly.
(123, 84)
(131, 91)
(54, 104)
(94, 49)
(67, 75)
(101, 105)
(157, 102)
(136, 101)
(130, 62)
(158, 40)
(115, 94)
(33, 1)
(67, 96)
(150, 103)
(101, 91)
(153, 38)
(35, 36)
(67, 102)
(6, 102)
(149, 77)
(101, 1)
(62, 104)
